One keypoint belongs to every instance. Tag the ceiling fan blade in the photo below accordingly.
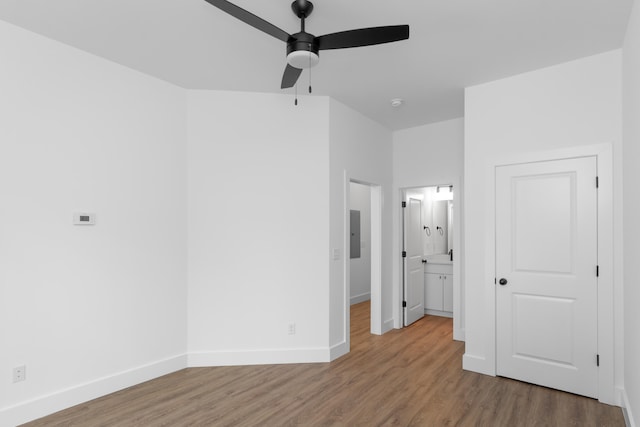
(250, 18)
(363, 37)
(290, 76)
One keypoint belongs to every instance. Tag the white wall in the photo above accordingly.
(258, 228)
(235, 183)
(360, 149)
(87, 309)
(360, 268)
(569, 105)
(631, 138)
(426, 156)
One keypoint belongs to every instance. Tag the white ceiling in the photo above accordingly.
(453, 44)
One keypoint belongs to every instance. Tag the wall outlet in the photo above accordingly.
(292, 328)
(19, 373)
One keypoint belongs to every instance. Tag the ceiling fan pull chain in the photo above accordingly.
(296, 101)
(309, 74)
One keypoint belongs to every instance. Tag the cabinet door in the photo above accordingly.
(433, 291)
(447, 284)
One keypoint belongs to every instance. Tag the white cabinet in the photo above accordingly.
(447, 288)
(438, 289)
(433, 291)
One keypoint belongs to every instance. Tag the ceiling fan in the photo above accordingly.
(303, 48)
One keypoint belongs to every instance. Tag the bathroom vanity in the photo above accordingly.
(438, 285)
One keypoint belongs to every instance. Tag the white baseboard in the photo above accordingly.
(478, 364)
(66, 398)
(439, 313)
(258, 357)
(62, 399)
(338, 350)
(626, 410)
(360, 298)
(387, 325)
(458, 334)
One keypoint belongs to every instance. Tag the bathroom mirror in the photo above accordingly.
(441, 226)
(437, 218)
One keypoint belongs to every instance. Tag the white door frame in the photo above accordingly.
(606, 329)
(376, 258)
(458, 291)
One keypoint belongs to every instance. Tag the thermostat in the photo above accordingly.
(84, 218)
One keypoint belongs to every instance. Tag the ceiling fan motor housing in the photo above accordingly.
(302, 50)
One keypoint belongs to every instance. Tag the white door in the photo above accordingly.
(546, 264)
(413, 268)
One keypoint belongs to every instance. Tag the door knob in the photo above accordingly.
(503, 281)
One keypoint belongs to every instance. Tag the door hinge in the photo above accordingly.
(404, 204)
(404, 304)
(597, 360)
(597, 271)
(597, 182)
(404, 254)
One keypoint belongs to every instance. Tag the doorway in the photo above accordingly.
(430, 239)
(360, 243)
(363, 269)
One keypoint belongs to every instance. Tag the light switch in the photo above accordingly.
(336, 254)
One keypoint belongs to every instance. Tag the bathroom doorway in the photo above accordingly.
(433, 286)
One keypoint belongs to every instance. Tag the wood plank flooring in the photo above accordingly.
(409, 377)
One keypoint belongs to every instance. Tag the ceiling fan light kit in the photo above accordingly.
(303, 48)
(303, 59)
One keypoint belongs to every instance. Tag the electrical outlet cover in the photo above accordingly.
(19, 373)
